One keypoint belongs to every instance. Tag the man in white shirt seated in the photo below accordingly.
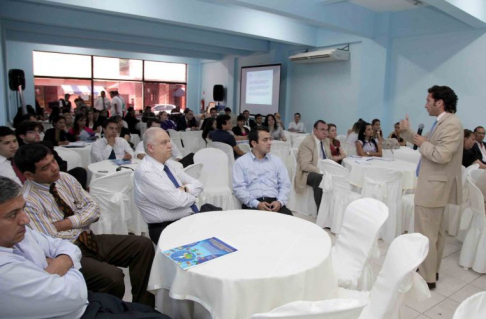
(163, 192)
(297, 126)
(260, 179)
(111, 146)
(176, 154)
(8, 147)
(40, 275)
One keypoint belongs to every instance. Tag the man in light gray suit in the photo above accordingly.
(439, 174)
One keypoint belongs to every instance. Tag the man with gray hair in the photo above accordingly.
(163, 192)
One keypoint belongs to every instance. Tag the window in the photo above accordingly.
(114, 68)
(165, 72)
(164, 93)
(60, 64)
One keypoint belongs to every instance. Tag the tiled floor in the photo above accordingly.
(455, 284)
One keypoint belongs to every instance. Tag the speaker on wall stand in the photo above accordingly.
(218, 93)
(16, 82)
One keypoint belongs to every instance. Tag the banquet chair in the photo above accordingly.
(214, 177)
(397, 280)
(325, 309)
(228, 150)
(453, 213)
(113, 192)
(282, 150)
(192, 141)
(336, 195)
(72, 158)
(473, 307)
(301, 203)
(134, 138)
(194, 170)
(473, 252)
(297, 140)
(386, 186)
(349, 148)
(357, 243)
(175, 138)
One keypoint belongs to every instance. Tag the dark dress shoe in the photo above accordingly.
(431, 285)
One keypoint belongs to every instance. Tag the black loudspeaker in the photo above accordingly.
(218, 93)
(16, 77)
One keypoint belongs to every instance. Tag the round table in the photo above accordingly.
(83, 151)
(280, 259)
(103, 168)
(356, 167)
(404, 153)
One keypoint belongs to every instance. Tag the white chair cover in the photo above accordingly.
(282, 150)
(228, 150)
(453, 213)
(134, 138)
(297, 140)
(301, 203)
(473, 307)
(355, 245)
(385, 185)
(244, 147)
(215, 179)
(326, 309)
(175, 138)
(194, 170)
(193, 141)
(336, 195)
(349, 148)
(397, 280)
(473, 252)
(113, 192)
(72, 158)
(341, 138)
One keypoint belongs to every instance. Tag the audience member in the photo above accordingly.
(57, 135)
(260, 179)
(148, 114)
(468, 156)
(165, 122)
(65, 103)
(258, 120)
(122, 131)
(230, 113)
(276, 132)
(40, 275)
(221, 134)
(163, 192)
(278, 118)
(103, 116)
(102, 102)
(249, 123)
(116, 104)
(21, 117)
(187, 122)
(479, 147)
(8, 148)
(111, 146)
(59, 207)
(69, 119)
(396, 135)
(132, 121)
(80, 132)
(212, 115)
(240, 131)
(297, 125)
(354, 132)
(377, 133)
(208, 128)
(337, 152)
(176, 154)
(366, 145)
(311, 149)
(91, 121)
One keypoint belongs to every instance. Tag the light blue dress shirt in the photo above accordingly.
(254, 178)
(28, 291)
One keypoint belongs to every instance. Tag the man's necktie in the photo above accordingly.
(85, 237)
(19, 174)
(430, 134)
(112, 155)
(323, 151)
(176, 184)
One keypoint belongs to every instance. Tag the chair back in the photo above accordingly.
(228, 150)
(473, 307)
(213, 172)
(476, 198)
(325, 309)
(193, 141)
(475, 173)
(349, 148)
(397, 277)
(194, 170)
(297, 140)
(72, 158)
(362, 222)
(341, 138)
(175, 138)
(301, 203)
(385, 185)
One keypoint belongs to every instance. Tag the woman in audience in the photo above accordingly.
(353, 133)
(468, 156)
(80, 132)
(102, 118)
(57, 134)
(337, 152)
(132, 121)
(208, 128)
(377, 133)
(165, 122)
(240, 132)
(366, 145)
(69, 119)
(91, 122)
(276, 132)
(396, 134)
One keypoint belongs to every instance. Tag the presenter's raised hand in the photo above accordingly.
(405, 124)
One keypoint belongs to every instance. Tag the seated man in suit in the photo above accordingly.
(163, 193)
(260, 179)
(221, 134)
(479, 147)
(40, 274)
(187, 121)
(248, 121)
(312, 148)
(59, 207)
(111, 146)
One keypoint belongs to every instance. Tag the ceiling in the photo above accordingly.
(388, 5)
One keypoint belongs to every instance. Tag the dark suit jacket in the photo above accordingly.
(182, 125)
(477, 152)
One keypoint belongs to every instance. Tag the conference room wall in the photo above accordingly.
(218, 72)
(3, 81)
(19, 56)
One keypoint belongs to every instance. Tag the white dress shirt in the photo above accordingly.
(28, 291)
(116, 106)
(6, 170)
(98, 104)
(176, 154)
(101, 150)
(482, 149)
(299, 127)
(156, 196)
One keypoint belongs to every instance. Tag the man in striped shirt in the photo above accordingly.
(59, 207)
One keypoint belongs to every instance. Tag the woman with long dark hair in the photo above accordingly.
(337, 152)
(79, 131)
(240, 131)
(209, 127)
(366, 145)
(276, 132)
(57, 135)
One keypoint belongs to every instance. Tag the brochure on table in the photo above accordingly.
(199, 252)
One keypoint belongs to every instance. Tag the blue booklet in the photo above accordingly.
(194, 254)
(122, 162)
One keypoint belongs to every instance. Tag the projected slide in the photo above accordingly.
(259, 87)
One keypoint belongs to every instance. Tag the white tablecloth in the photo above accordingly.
(84, 152)
(357, 167)
(103, 168)
(280, 259)
(404, 153)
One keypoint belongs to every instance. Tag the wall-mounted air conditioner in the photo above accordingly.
(331, 55)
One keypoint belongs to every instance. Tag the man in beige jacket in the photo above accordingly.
(313, 147)
(439, 174)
